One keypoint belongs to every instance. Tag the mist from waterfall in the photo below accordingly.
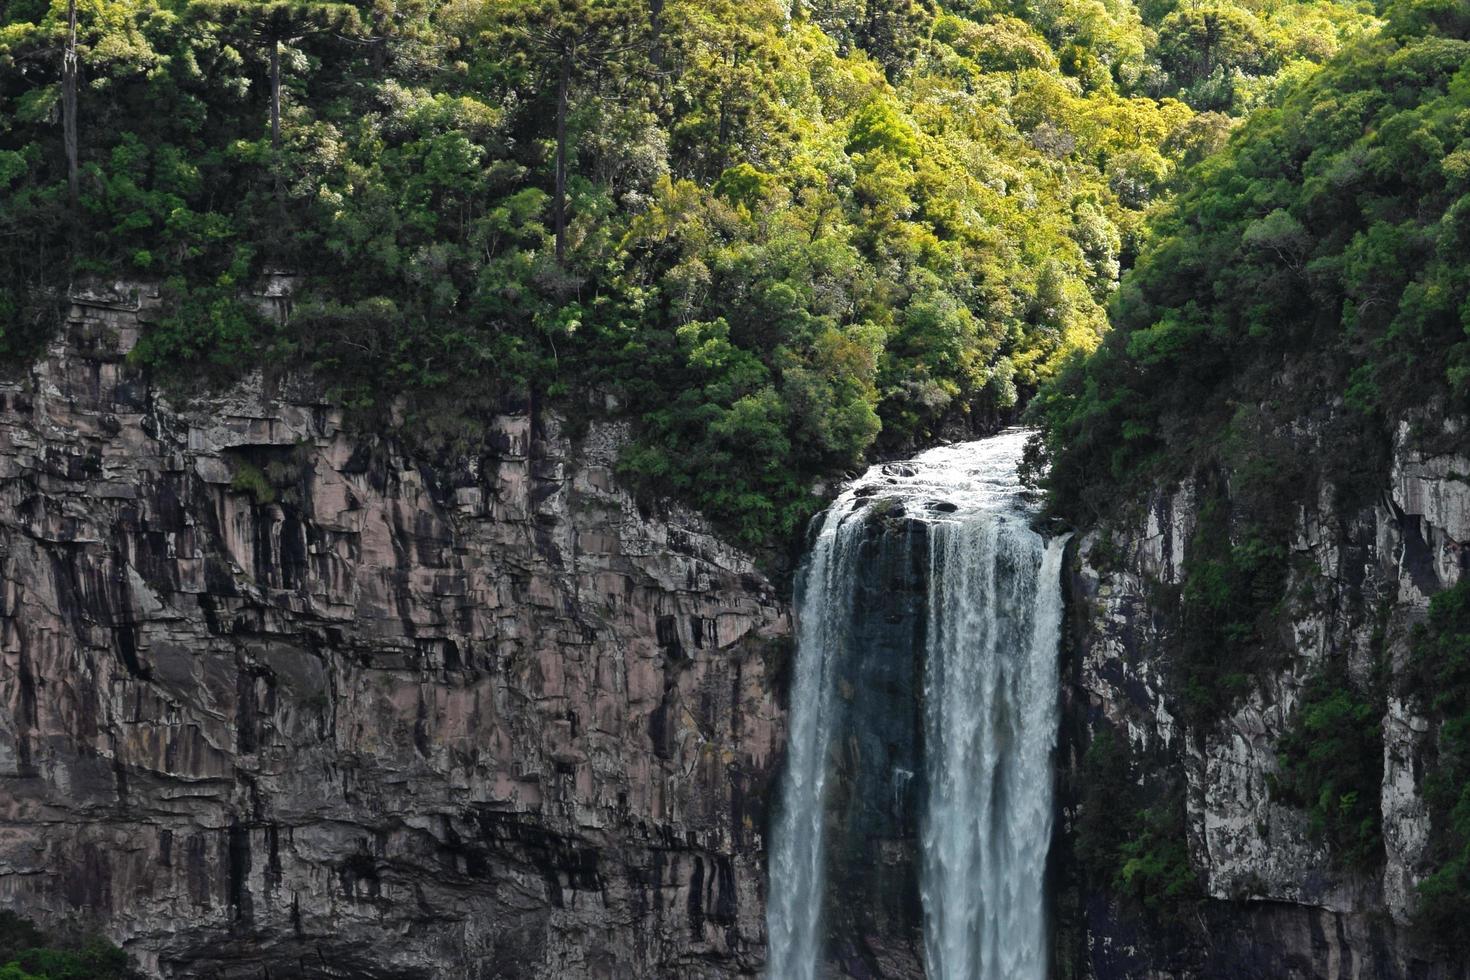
(994, 614)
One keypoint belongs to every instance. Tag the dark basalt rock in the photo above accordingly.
(401, 720)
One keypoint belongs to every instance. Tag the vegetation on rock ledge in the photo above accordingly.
(28, 954)
(1332, 766)
(1440, 675)
(1130, 835)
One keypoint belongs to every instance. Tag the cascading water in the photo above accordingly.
(990, 698)
(988, 634)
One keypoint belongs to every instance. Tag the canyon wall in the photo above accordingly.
(1277, 902)
(278, 700)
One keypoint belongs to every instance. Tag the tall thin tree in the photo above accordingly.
(577, 36)
(272, 24)
(69, 68)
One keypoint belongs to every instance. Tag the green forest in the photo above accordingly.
(1332, 232)
(778, 238)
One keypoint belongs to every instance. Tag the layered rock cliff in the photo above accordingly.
(279, 700)
(1276, 903)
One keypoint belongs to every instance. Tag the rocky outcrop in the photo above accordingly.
(1278, 903)
(874, 915)
(278, 700)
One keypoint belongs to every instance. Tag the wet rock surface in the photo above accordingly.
(277, 700)
(875, 918)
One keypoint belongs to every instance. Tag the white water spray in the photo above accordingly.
(994, 616)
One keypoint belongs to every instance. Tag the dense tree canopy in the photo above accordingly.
(777, 235)
(1320, 260)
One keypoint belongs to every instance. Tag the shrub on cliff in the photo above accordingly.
(1130, 833)
(1440, 678)
(28, 954)
(1331, 765)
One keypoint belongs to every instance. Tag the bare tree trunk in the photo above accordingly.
(563, 97)
(722, 136)
(1212, 27)
(277, 189)
(69, 105)
(655, 30)
(275, 93)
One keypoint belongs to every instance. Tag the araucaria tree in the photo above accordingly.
(578, 37)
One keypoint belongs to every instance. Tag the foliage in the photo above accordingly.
(1156, 870)
(1331, 763)
(206, 333)
(1233, 578)
(1129, 839)
(1331, 233)
(1440, 674)
(28, 954)
(251, 479)
(781, 239)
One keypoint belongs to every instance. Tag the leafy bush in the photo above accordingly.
(27, 954)
(208, 334)
(1229, 590)
(1331, 763)
(1129, 839)
(1440, 675)
(1156, 869)
(252, 480)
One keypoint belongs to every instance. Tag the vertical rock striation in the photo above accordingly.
(1359, 578)
(278, 700)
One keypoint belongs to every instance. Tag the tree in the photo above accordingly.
(890, 31)
(1198, 42)
(575, 37)
(272, 23)
(69, 104)
(726, 97)
(655, 32)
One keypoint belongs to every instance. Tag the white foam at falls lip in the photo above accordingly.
(971, 476)
(994, 611)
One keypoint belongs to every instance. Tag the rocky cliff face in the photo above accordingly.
(1360, 578)
(278, 701)
(874, 912)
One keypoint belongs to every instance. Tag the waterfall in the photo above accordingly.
(988, 640)
(990, 698)
(824, 588)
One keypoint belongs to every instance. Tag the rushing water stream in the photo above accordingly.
(992, 613)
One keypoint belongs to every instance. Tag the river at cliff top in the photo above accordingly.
(916, 803)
